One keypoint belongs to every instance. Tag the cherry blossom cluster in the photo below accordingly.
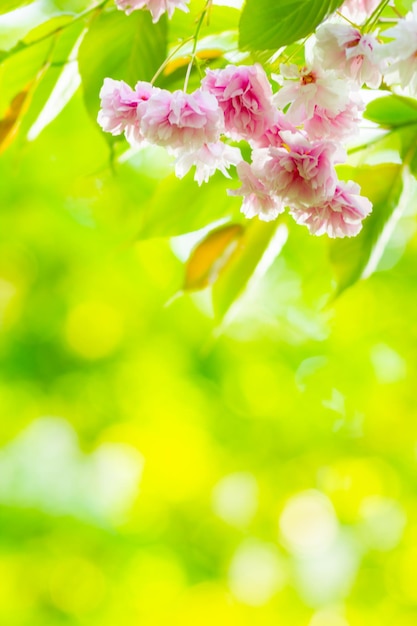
(400, 54)
(355, 10)
(296, 134)
(289, 167)
(156, 7)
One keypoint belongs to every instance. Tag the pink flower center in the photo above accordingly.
(352, 44)
(307, 79)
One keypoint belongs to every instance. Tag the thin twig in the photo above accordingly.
(195, 37)
(373, 19)
(169, 57)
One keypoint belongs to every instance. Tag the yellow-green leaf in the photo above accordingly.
(351, 257)
(210, 256)
(180, 206)
(19, 105)
(124, 48)
(10, 123)
(242, 264)
(270, 24)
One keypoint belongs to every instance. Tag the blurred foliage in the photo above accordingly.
(162, 464)
(270, 25)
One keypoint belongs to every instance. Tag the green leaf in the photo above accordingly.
(18, 108)
(392, 111)
(65, 87)
(356, 257)
(270, 24)
(10, 123)
(27, 27)
(10, 5)
(19, 70)
(47, 28)
(220, 19)
(403, 5)
(407, 139)
(242, 265)
(210, 256)
(120, 47)
(180, 206)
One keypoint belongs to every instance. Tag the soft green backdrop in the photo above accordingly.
(159, 467)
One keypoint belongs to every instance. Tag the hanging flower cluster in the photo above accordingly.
(296, 135)
(156, 7)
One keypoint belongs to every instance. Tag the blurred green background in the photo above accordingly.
(159, 467)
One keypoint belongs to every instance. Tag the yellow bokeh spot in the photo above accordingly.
(328, 617)
(155, 582)
(94, 329)
(349, 482)
(246, 385)
(401, 574)
(77, 586)
(14, 580)
(178, 463)
(209, 604)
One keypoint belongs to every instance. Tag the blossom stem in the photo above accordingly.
(169, 57)
(195, 37)
(347, 19)
(387, 21)
(370, 23)
(275, 59)
(397, 12)
(296, 51)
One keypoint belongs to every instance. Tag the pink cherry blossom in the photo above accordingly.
(338, 216)
(342, 47)
(207, 159)
(358, 10)
(305, 88)
(122, 107)
(245, 96)
(156, 7)
(336, 126)
(257, 198)
(402, 52)
(272, 135)
(181, 120)
(301, 172)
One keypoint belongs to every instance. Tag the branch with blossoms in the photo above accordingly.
(286, 114)
(297, 133)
